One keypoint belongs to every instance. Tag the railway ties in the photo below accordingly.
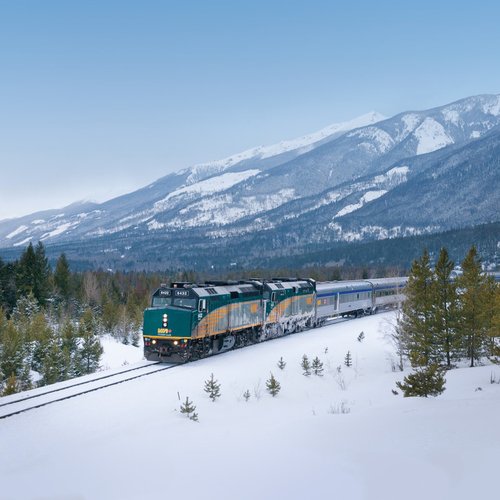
(20, 405)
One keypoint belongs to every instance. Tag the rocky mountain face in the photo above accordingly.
(372, 178)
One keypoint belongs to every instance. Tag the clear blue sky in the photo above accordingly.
(100, 97)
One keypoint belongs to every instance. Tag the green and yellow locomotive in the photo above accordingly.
(189, 321)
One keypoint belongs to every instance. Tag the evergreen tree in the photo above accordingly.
(40, 334)
(212, 388)
(11, 386)
(11, 352)
(62, 277)
(427, 381)
(246, 395)
(494, 331)
(23, 314)
(90, 349)
(54, 362)
(8, 289)
(348, 359)
(306, 365)
(273, 386)
(69, 348)
(444, 313)
(34, 273)
(281, 363)
(474, 309)
(188, 409)
(361, 337)
(415, 323)
(317, 367)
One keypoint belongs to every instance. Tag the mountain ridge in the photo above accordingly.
(345, 186)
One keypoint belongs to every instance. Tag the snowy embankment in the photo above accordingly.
(130, 441)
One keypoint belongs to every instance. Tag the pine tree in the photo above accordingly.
(11, 386)
(34, 273)
(11, 352)
(494, 330)
(317, 367)
(415, 323)
(474, 308)
(188, 408)
(306, 365)
(348, 359)
(90, 350)
(40, 333)
(273, 386)
(281, 363)
(426, 381)
(69, 348)
(54, 363)
(212, 388)
(62, 277)
(361, 337)
(444, 313)
(246, 395)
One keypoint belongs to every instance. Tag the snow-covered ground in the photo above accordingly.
(131, 442)
(117, 354)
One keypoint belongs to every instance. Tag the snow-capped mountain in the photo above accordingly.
(346, 182)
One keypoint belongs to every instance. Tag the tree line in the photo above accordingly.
(51, 320)
(444, 321)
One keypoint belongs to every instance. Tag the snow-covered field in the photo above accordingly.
(131, 442)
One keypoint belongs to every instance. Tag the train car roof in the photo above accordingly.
(342, 286)
(288, 285)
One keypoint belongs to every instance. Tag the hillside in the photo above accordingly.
(130, 441)
(417, 173)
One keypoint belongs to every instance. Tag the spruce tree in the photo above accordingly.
(40, 334)
(246, 395)
(90, 350)
(348, 359)
(34, 273)
(444, 313)
(306, 365)
(11, 386)
(424, 382)
(69, 347)
(317, 367)
(494, 330)
(273, 386)
(11, 352)
(281, 363)
(62, 277)
(188, 409)
(212, 388)
(54, 362)
(415, 324)
(361, 337)
(474, 308)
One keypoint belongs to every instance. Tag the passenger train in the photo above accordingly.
(188, 321)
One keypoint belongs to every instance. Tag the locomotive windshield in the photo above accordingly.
(160, 301)
(184, 302)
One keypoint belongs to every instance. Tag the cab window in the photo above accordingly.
(160, 301)
(183, 302)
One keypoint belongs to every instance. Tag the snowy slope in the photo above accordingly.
(130, 442)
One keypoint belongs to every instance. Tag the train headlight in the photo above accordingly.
(176, 342)
(153, 341)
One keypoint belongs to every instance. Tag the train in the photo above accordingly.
(189, 321)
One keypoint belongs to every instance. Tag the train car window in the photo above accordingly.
(202, 305)
(273, 297)
(234, 295)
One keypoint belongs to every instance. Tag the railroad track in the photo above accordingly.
(51, 396)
